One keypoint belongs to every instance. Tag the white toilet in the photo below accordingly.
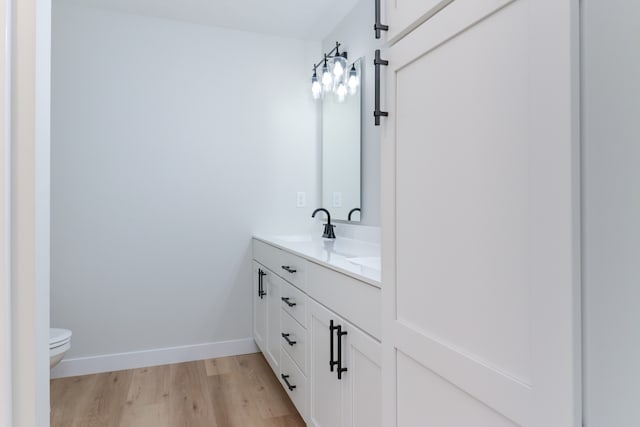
(59, 344)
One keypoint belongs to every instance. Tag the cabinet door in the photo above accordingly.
(272, 287)
(480, 225)
(363, 405)
(403, 16)
(259, 309)
(326, 392)
(355, 398)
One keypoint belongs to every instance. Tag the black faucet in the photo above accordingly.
(328, 227)
(351, 213)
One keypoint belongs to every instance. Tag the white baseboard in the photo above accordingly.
(160, 356)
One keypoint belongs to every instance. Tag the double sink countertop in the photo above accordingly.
(356, 258)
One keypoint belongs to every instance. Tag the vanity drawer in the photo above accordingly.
(293, 269)
(267, 255)
(356, 301)
(296, 380)
(286, 265)
(291, 295)
(294, 333)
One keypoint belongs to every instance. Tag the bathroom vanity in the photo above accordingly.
(317, 321)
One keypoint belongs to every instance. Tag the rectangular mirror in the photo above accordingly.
(341, 153)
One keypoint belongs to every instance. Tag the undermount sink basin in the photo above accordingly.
(295, 238)
(372, 262)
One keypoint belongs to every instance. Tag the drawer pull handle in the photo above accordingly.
(289, 303)
(378, 26)
(377, 113)
(332, 362)
(261, 292)
(340, 334)
(286, 338)
(286, 381)
(288, 269)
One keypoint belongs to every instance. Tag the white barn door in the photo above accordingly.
(480, 218)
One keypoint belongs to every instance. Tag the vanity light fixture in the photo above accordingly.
(339, 62)
(316, 88)
(353, 81)
(327, 79)
(341, 91)
(334, 76)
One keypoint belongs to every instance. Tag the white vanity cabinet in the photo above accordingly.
(273, 285)
(344, 372)
(266, 318)
(292, 329)
(259, 307)
(282, 339)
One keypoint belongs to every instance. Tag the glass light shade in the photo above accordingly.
(326, 77)
(316, 89)
(339, 66)
(354, 80)
(341, 91)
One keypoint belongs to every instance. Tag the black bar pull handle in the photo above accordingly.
(286, 338)
(378, 26)
(332, 362)
(287, 300)
(261, 292)
(341, 369)
(288, 269)
(285, 378)
(260, 283)
(377, 62)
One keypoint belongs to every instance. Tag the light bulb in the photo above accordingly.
(316, 89)
(354, 81)
(341, 91)
(326, 76)
(339, 65)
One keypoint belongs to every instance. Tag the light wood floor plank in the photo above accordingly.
(189, 400)
(266, 391)
(219, 366)
(237, 391)
(285, 421)
(149, 385)
(147, 399)
(152, 414)
(108, 397)
(75, 390)
(233, 407)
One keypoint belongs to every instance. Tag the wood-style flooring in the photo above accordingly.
(232, 391)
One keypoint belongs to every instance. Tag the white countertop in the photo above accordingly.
(355, 258)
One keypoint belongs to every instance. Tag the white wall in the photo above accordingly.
(611, 218)
(355, 32)
(171, 144)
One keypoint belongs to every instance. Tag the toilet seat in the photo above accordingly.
(58, 337)
(59, 344)
(61, 349)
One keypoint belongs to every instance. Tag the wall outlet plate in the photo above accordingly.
(337, 199)
(301, 199)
